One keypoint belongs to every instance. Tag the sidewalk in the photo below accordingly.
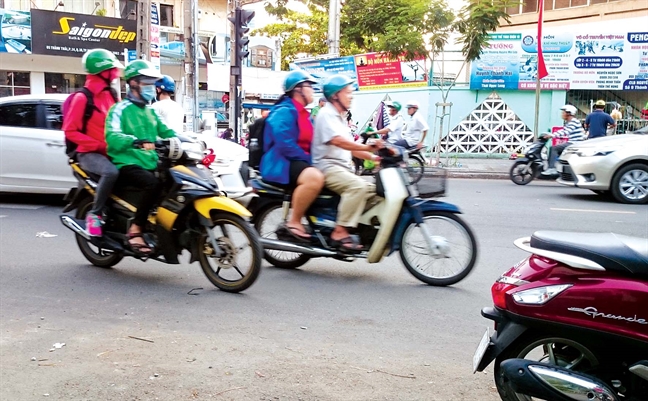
(479, 168)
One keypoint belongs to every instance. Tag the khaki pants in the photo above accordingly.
(354, 191)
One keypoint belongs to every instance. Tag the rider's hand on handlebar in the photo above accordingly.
(376, 144)
(148, 146)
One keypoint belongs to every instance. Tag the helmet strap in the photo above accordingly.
(336, 101)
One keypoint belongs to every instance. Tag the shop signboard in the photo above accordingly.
(67, 34)
(155, 36)
(15, 31)
(379, 71)
(323, 68)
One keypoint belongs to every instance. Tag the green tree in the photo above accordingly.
(411, 28)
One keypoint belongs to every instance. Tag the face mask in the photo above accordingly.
(147, 93)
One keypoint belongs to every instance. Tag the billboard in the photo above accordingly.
(65, 34)
(322, 69)
(616, 59)
(15, 31)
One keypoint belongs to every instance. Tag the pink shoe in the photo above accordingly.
(93, 225)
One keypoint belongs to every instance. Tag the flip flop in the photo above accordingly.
(138, 248)
(350, 243)
(291, 233)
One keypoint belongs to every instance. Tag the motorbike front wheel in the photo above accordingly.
(522, 173)
(97, 256)
(239, 263)
(447, 258)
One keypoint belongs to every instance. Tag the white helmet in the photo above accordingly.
(569, 109)
(413, 103)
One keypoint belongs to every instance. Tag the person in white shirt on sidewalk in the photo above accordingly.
(394, 130)
(416, 130)
(171, 112)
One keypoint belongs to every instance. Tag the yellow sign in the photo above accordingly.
(98, 31)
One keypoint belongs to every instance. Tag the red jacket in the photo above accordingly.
(93, 141)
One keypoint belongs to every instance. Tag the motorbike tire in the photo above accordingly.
(103, 261)
(416, 168)
(513, 173)
(520, 349)
(455, 221)
(255, 245)
(298, 261)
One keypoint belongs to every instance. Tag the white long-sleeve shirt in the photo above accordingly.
(171, 113)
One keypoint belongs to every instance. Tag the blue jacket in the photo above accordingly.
(280, 142)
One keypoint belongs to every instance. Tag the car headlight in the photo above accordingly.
(591, 152)
(193, 150)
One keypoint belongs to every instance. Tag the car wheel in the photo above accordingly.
(630, 184)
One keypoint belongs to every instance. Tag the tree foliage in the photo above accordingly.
(411, 28)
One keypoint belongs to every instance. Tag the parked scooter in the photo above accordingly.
(531, 166)
(192, 214)
(435, 245)
(577, 303)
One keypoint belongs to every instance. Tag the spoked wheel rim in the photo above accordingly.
(520, 175)
(237, 260)
(267, 229)
(634, 185)
(415, 169)
(559, 352)
(451, 255)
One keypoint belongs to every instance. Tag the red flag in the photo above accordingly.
(542, 68)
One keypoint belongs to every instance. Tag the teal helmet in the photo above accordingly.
(295, 78)
(336, 83)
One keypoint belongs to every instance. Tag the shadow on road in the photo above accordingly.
(32, 199)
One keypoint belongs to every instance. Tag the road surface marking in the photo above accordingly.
(591, 211)
(16, 206)
(1, 216)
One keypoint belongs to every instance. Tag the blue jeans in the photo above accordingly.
(99, 164)
(555, 152)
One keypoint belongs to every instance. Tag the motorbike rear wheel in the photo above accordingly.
(415, 167)
(234, 236)
(266, 225)
(522, 173)
(545, 348)
(434, 266)
(95, 255)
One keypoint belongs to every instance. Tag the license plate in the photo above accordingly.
(481, 350)
(559, 167)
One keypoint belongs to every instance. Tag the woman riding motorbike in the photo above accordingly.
(286, 160)
(132, 127)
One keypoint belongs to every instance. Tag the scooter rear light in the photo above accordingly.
(539, 295)
(501, 287)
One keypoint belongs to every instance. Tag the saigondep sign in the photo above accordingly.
(67, 34)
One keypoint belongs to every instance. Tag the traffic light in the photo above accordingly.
(241, 20)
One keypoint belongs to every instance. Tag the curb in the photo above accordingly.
(487, 175)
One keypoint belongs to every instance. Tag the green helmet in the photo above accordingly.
(295, 78)
(97, 60)
(394, 105)
(141, 68)
(335, 84)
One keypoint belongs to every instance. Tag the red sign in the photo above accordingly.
(225, 98)
(377, 69)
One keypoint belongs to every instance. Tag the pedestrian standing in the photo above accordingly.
(598, 121)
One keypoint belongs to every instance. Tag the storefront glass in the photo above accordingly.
(63, 83)
(14, 83)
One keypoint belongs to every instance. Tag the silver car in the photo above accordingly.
(615, 164)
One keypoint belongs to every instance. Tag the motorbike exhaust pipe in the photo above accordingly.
(72, 224)
(276, 245)
(553, 383)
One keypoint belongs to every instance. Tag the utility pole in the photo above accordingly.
(192, 43)
(144, 30)
(334, 27)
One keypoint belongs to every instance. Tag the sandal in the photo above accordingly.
(349, 244)
(139, 248)
(286, 233)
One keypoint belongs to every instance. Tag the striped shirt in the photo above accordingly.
(573, 131)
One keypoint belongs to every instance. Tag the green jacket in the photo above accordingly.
(128, 121)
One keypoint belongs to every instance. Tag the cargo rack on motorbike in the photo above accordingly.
(433, 183)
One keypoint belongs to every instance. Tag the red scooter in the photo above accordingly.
(578, 308)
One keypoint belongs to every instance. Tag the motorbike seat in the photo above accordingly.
(619, 253)
(324, 194)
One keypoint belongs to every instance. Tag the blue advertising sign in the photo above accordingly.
(321, 69)
(499, 64)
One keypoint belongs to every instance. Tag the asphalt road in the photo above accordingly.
(328, 331)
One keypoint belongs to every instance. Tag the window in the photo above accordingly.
(129, 9)
(63, 83)
(166, 15)
(18, 115)
(14, 83)
(54, 116)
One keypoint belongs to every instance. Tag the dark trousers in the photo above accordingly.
(147, 183)
(99, 164)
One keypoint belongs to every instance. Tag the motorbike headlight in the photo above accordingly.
(193, 150)
(192, 186)
(591, 152)
(539, 295)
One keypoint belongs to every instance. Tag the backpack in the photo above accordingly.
(255, 143)
(70, 147)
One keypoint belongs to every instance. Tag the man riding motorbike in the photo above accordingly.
(102, 85)
(132, 127)
(416, 129)
(287, 139)
(333, 149)
(171, 112)
(394, 131)
(573, 130)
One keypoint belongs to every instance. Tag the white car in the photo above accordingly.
(32, 145)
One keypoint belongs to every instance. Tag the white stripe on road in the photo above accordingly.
(1, 216)
(17, 206)
(591, 211)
